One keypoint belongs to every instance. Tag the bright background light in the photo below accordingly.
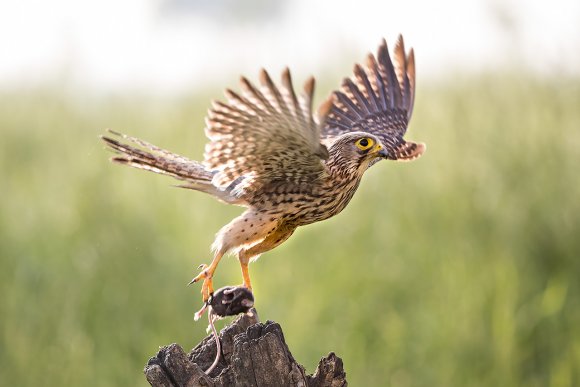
(177, 45)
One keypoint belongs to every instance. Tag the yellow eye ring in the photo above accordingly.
(364, 143)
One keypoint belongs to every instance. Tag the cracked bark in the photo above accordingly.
(253, 354)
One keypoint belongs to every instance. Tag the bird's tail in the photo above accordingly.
(152, 158)
(155, 159)
(158, 160)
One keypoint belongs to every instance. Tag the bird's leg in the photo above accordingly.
(246, 275)
(245, 272)
(207, 274)
(274, 239)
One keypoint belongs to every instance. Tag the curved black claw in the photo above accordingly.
(201, 275)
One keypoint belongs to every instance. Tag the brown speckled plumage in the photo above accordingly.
(290, 167)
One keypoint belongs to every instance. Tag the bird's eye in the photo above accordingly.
(364, 143)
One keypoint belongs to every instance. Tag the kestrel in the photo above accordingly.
(288, 166)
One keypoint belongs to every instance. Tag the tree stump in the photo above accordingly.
(253, 354)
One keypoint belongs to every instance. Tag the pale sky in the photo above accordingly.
(177, 45)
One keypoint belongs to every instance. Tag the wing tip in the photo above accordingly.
(309, 86)
(325, 108)
(286, 76)
(264, 77)
(400, 41)
(409, 151)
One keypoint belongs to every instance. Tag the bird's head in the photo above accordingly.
(354, 152)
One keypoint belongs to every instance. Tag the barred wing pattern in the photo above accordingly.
(378, 99)
(262, 135)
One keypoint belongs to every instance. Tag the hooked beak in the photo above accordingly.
(380, 151)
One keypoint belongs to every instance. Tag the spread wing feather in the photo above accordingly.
(263, 134)
(378, 99)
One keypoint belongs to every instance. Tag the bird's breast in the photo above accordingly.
(310, 204)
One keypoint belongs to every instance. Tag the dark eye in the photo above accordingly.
(364, 143)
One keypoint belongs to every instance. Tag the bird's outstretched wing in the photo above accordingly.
(378, 99)
(263, 134)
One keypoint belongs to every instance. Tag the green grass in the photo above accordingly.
(459, 269)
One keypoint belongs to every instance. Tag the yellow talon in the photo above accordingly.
(246, 276)
(202, 275)
(206, 275)
(206, 289)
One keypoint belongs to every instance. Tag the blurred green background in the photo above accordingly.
(459, 269)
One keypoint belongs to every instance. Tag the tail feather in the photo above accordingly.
(158, 160)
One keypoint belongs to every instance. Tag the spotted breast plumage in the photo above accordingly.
(289, 166)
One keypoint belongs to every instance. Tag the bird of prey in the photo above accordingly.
(287, 165)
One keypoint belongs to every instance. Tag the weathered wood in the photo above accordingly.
(253, 354)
